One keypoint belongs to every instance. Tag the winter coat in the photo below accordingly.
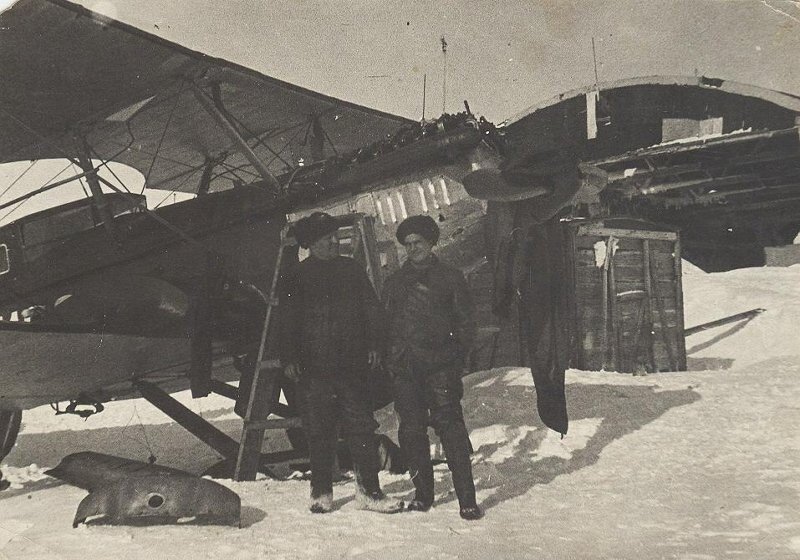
(431, 315)
(329, 317)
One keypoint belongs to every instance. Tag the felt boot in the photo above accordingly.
(321, 504)
(419, 505)
(321, 455)
(379, 502)
(365, 467)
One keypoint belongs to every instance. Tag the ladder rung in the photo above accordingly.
(274, 424)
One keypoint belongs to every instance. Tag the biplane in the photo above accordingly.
(103, 298)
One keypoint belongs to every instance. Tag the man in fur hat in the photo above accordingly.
(432, 328)
(330, 327)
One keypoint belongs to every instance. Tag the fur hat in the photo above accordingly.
(311, 228)
(422, 225)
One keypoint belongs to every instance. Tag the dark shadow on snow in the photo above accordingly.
(251, 516)
(710, 363)
(721, 336)
(622, 408)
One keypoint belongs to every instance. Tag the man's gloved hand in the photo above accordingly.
(292, 372)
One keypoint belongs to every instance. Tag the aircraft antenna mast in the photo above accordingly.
(594, 57)
(424, 85)
(444, 75)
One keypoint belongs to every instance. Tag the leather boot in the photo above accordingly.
(456, 444)
(417, 453)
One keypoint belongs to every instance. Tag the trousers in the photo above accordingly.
(432, 397)
(330, 406)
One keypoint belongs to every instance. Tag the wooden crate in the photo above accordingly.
(625, 296)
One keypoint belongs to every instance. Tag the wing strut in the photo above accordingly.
(234, 135)
(85, 162)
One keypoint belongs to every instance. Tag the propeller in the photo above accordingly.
(489, 184)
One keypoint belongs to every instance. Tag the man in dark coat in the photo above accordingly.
(432, 328)
(330, 331)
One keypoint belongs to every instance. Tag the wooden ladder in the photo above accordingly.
(264, 389)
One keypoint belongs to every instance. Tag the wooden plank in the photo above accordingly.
(662, 246)
(724, 321)
(587, 243)
(628, 259)
(673, 364)
(604, 299)
(629, 245)
(631, 265)
(664, 287)
(611, 300)
(586, 259)
(594, 229)
(276, 424)
(648, 288)
(630, 275)
(679, 304)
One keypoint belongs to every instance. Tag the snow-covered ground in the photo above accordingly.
(693, 465)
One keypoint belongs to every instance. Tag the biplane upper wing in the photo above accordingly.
(73, 78)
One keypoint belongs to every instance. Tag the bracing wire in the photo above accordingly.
(14, 209)
(259, 140)
(292, 139)
(163, 135)
(155, 217)
(105, 164)
(14, 182)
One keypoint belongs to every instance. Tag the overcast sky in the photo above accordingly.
(503, 56)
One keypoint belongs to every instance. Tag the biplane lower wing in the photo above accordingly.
(42, 366)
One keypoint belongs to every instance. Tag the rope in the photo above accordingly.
(146, 441)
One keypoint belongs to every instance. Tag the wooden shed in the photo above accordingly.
(625, 296)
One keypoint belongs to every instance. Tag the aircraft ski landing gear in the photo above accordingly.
(10, 421)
